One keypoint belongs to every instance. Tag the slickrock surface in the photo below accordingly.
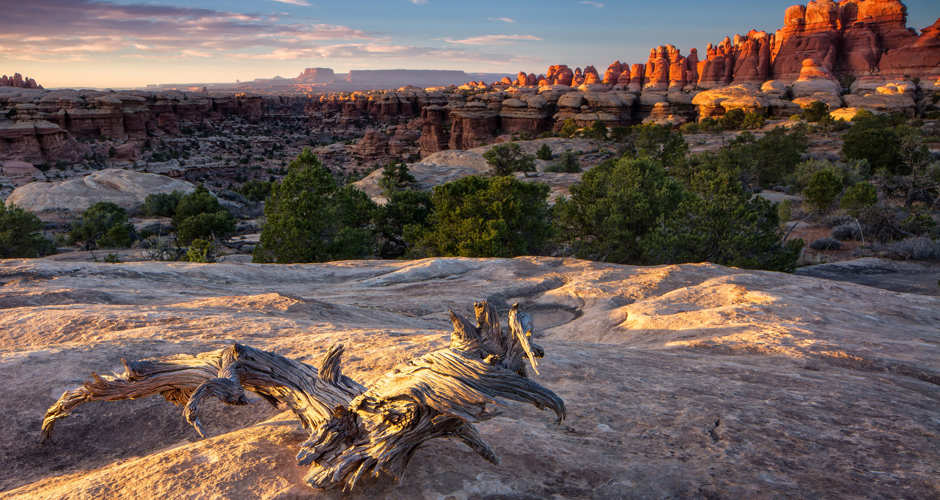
(693, 381)
(125, 188)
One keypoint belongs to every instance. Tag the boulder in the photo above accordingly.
(125, 188)
(20, 172)
(716, 102)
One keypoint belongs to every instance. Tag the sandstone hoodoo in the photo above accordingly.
(19, 81)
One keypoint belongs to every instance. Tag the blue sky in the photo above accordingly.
(134, 42)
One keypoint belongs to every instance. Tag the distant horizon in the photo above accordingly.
(131, 44)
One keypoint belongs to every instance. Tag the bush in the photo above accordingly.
(859, 196)
(201, 251)
(161, 204)
(846, 232)
(764, 162)
(660, 143)
(877, 139)
(200, 201)
(567, 163)
(487, 217)
(826, 244)
(400, 220)
(20, 234)
(722, 222)
(395, 178)
(103, 225)
(205, 226)
(544, 153)
(816, 112)
(918, 223)
(823, 188)
(597, 131)
(785, 211)
(568, 128)
(616, 204)
(753, 120)
(508, 158)
(880, 223)
(311, 219)
(255, 190)
(917, 248)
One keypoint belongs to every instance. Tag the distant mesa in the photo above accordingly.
(18, 80)
(317, 75)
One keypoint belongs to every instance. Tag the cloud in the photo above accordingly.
(491, 39)
(419, 2)
(598, 5)
(52, 30)
(302, 3)
(503, 20)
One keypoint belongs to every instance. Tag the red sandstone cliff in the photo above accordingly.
(849, 38)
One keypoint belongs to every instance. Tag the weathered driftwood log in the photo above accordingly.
(354, 431)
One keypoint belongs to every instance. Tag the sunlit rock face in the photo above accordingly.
(680, 381)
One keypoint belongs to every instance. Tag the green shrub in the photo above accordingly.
(880, 223)
(753, 120)
(846, 232)
(20, 234)
(918, 223)
(161, 204)
(112, 258)
(597, 131)
(615, 205)
(568, 128)
(487, 217)
(206, 226)
(507, 158)
(255, 190)
(816, 112)
(103, 225)
(732, 120)
(877, 139)
(544, 153)
(395, 178)
(785, 211)
(200, 201)
(311, 219)
(826, 244)
(400, 220)
(720, 221)
(859, 196)
(823, 188)
(567, 163)
(660, 143)
(201, 251)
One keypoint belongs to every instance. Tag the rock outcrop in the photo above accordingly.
(41, 126)
(19, 81)
(681, 381)
(69, 198)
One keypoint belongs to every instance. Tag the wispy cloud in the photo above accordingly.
(503, 20)
(598, 5)
(419, 2)
(302, 3)
(492, 39)
(64, 29)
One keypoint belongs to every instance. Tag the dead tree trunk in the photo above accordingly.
(354, 431)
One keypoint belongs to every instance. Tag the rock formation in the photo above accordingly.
(125, 188)
(17, 80)
(680, 381)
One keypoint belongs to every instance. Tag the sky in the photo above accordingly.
(128, 43)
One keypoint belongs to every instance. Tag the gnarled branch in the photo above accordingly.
(354, 431)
